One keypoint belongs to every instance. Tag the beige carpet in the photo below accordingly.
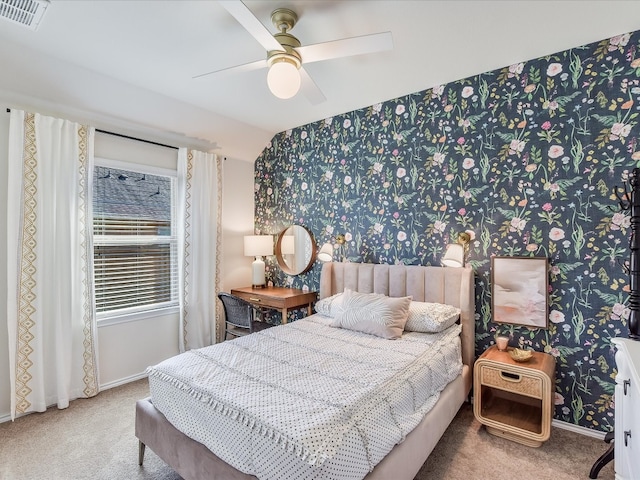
(94, 439)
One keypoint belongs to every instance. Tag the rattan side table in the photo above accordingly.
(515, 400)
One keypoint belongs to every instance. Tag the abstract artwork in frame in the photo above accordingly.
(519, 288)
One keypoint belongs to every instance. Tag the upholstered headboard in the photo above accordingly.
(453, 286)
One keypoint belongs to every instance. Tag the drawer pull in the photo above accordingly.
(625, 384)
(510, 377)
(255, 299)
(627, 436)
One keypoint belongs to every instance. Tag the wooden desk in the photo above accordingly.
(277, 298)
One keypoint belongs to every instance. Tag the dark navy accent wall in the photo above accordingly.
(525, 158)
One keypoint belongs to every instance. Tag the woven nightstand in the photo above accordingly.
(515, 400)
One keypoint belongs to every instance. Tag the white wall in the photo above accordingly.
(237, 221)
(5, 401)
(126, 349)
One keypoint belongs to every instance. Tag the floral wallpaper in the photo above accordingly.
(526, 159)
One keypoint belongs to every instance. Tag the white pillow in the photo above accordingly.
(431, 317)
(374, 313)
(329, 306)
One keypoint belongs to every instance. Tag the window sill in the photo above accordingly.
(136, 316)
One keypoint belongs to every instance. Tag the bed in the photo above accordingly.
(193, 460)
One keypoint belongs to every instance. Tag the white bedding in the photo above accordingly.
(306, 400)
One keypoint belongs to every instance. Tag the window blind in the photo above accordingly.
(128, 276)
(135, 247)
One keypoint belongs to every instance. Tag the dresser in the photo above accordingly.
(627, 409)
(277, 298)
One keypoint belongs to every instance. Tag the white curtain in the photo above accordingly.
(50, 307)
(199, 243)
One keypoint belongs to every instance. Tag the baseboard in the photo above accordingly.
(556, 423)
(106, 386)
(575, 428)
(578, 429)
(122, 381)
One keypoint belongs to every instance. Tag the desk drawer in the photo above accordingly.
(511, 381)
(257, 299)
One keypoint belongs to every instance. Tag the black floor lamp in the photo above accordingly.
(630, 201)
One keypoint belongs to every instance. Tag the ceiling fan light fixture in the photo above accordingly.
(283, 77)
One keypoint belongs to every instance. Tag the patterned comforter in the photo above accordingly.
(306, 400)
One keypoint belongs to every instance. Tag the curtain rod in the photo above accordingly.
(128, 137)
(134, 138)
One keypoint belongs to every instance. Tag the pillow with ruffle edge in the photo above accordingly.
(330, 307)
(429, 317)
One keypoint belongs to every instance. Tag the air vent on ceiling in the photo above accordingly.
(27, 13)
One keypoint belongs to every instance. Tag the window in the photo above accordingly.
(134, 239)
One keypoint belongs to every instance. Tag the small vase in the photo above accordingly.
(502, 343)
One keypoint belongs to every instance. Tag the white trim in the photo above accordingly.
(123, 381)
(107, 386)
(139, 376)
(588, 432)
(7, 418)
(140, 312)
(579, 430)
(135, 167)
(115, 319)
(111, 240)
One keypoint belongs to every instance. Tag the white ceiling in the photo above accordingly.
(134, 61)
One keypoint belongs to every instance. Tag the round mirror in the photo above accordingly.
(295, 250)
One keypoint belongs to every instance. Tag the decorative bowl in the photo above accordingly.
(520, 355)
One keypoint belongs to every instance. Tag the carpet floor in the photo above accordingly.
(94, 439)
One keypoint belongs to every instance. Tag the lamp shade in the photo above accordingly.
(326, 253)
(453, 256)
(283, 79)
(258, 245)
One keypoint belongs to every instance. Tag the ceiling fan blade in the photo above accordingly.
(249, 21)
(376, 42)
(310, 89)
(246, 67)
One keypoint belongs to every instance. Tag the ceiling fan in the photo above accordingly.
(286, 55)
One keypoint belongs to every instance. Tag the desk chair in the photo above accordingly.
(238, 316)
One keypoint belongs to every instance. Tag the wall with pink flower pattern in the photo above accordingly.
(525, 158)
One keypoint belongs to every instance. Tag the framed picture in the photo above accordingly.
(519, 287)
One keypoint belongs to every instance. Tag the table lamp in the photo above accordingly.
(257, 246)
